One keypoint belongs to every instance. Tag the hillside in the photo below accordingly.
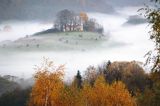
(42, 9)
(6, 85)
(55, 42)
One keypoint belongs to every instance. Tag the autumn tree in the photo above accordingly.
(121, 96)
(131, 73)
(50, 90)
(70, 96)
(103, 94)
(88, 96)
(48, 85)
(83, 16)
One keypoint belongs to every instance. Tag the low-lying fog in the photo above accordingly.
(134, 37)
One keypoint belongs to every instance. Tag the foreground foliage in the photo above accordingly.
(153, 93)
(48, 85)
(49, 90)
(112, 84)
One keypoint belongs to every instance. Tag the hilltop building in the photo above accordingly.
(73, 25)
(68, 21)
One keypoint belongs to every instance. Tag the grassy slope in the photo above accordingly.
(56, 42)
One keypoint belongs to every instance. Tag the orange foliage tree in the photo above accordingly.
(48, 84)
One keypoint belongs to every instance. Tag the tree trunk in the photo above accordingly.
(46, 99)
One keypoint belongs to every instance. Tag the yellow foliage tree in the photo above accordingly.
(87, 94)
(103, 94)
(120, 96)
(48, 85)
(84, 16)
(70, 96)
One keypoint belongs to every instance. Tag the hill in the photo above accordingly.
(43, 10)
(6, 85)
(58, 41)
(47, 31)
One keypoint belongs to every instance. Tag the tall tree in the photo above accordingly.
(153, 17)
(153, 94)
(48, 85)
(65, 17)
(79, 79)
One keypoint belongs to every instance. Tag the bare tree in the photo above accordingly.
(65, 17)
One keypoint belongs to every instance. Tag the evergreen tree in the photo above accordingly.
(79, 79)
